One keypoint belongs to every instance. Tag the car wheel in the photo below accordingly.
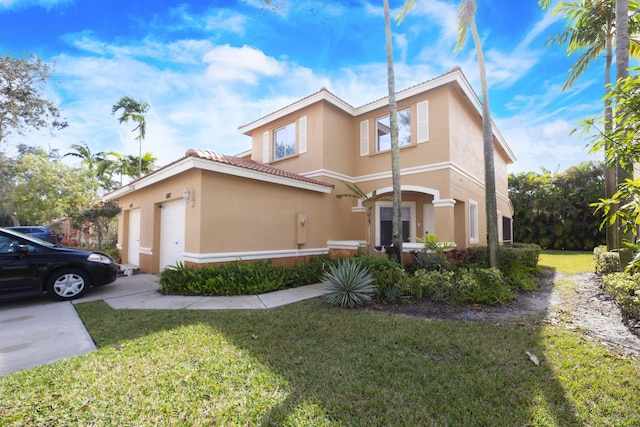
(67, 284)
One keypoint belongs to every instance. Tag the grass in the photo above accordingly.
(311, 364)
(569, 262)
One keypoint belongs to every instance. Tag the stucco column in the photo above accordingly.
(444, 216)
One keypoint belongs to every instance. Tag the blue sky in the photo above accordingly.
(208, 67)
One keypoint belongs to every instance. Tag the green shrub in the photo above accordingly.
(431, 260)
(241, 278)
(606, 262)
(389, 277)
(624, 288)
(349, 284)
(235, 278)
(112, 251)
(467, 257)
(307, 273)
(464, 286)
(179, 279)
(491, 287)
(519, 265)
(525, 254)
(433, 284)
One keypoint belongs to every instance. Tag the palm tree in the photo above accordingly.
(591, 30)
(622, 72)
(133, 110)
(129, 165)
(94, 163)
(466, 19)
(396, 230)
(84, 153)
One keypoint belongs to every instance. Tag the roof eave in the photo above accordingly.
(190, 162)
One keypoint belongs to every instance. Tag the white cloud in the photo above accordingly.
(46, 4)
(548, 19)
(244, 64)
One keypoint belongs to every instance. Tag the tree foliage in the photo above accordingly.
(554, 210)
(22, 104)
(621, 145)
(99, 215)
(47, 189)
(7, 175)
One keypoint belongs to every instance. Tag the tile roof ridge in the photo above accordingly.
(250, 164)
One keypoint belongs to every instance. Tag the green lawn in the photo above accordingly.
(567, 261)
(310, 364)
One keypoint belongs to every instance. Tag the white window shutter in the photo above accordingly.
(302, 135)
(364, 138)
(422, 111)
(265, 147)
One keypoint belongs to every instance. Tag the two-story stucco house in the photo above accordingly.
(278, 200)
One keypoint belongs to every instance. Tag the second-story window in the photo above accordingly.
(383, 130)
(284, 141)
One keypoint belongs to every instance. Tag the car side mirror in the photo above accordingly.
(22, 249)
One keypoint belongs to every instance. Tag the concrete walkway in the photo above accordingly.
(37, 331)
(142, 291)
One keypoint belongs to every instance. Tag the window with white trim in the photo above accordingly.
(383, 130)
(384, 226)
(284, 141)
(473, 222)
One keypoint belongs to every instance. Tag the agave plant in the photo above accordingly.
(349, 284)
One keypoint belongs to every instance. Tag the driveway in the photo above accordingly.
(40, 330)
(37, 331)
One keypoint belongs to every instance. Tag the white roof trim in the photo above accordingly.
(189, 163)
(323, 95)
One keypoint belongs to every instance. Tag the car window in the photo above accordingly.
(8, 245)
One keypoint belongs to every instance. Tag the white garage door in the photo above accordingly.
(172, 228)
(133, 253)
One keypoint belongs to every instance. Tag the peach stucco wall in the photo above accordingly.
(233, 214)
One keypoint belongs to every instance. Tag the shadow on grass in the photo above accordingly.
(355, 367)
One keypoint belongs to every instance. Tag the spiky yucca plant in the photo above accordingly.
(349, 284)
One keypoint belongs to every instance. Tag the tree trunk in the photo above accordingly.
(610, 180)
(491, 205)
(622, 72)
(396, 233)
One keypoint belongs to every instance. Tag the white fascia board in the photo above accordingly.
(416, 90)
(299, 105)
(153, 178)
(208, 165)
(258, 176)
(328, 174)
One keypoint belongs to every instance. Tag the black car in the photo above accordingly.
(42, 233)
(30, 266)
